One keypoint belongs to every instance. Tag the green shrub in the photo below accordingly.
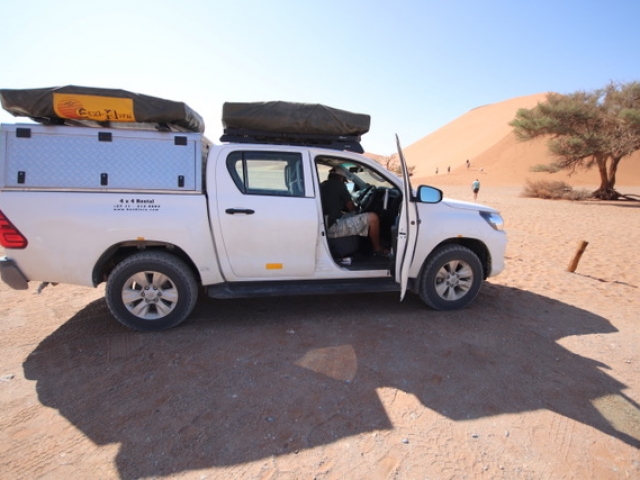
(545, 167)
(553, 190)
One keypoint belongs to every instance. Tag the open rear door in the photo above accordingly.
(407, 228)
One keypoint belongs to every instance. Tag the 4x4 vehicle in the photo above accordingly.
(162, 215)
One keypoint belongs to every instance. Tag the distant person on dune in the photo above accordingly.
(475, 186)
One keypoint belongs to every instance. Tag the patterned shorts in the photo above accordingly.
(350, 224)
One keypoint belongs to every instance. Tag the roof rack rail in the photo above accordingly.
(334, 142)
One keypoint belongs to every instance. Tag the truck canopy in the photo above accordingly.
(100, 107)
(294, 124)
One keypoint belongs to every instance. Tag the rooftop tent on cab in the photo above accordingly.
(100, 107)
(290, 123)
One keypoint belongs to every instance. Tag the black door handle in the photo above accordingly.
(233, 211)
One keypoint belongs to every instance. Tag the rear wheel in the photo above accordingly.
(451, 278)
(151, 291)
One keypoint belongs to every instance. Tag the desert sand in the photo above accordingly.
(537, 379)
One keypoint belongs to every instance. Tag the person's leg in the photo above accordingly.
(374, 232)
(362, 224)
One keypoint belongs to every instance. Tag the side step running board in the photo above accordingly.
(315, 287)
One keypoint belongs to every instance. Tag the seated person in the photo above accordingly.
(340, 210)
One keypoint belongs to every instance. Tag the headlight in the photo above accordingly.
(493, 219)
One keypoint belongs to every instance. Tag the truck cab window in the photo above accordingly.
(267, 173)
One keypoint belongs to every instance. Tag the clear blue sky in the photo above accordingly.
(414, 66)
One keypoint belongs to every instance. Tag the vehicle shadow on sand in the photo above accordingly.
(244, 380)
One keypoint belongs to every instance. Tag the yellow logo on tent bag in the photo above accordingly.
(91, 107)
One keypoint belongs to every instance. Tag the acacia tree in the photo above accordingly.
(587, 129)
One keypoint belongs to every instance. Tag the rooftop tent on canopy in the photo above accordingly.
(100, 107)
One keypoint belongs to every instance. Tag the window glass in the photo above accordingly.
(267, 173)
(360, 176)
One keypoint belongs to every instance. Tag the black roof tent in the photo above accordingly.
(290, 123)
(100, 107)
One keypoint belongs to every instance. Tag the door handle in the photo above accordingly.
(234, 211)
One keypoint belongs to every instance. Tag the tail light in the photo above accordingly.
(10, 236)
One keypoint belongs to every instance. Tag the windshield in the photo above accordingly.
(359, 175)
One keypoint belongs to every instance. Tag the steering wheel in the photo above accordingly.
(367, 197)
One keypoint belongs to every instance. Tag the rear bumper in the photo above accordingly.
(11, 274)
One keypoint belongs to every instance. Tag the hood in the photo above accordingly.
(467, 205)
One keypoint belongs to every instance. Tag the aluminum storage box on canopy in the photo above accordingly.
(39, 157)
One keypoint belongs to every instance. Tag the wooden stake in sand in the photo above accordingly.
(582, 246)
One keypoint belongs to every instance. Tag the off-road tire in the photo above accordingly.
(451, 278)
(151, 291)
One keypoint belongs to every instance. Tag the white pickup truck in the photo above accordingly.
(162, 215)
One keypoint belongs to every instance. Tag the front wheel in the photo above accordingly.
(451, 278)
(151, 291)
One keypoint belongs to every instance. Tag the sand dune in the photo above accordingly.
(483, 136)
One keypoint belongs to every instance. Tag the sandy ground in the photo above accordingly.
(538, 379)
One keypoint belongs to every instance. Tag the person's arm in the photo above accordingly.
(350, 206)
(345, 196)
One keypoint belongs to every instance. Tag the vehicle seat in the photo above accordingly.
(343, 246)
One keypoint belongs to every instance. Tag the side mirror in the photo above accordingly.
(429, 194)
